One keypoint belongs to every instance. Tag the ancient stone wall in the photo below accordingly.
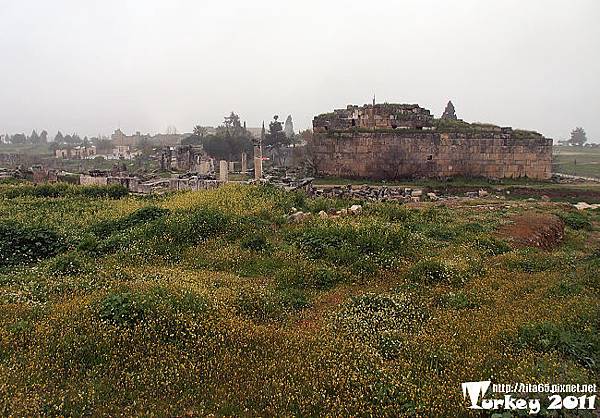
(429, 154)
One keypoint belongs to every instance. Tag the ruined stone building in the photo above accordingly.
(168, 139)
(76, 153)
(394, 141)
(183, 158)
(449, 112)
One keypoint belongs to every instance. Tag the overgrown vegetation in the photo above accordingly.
(115, 191)
(213, 303)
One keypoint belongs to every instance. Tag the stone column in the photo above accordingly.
(204, 167)
(257, 162)
(244, 163)
(223, 171)
(231, 167)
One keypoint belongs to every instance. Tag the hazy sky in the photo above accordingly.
(92, 65)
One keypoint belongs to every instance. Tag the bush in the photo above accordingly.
(146, 214)
(491, 246)
(292, 299)
(202, 224)
(325, 278)
(576, 220)
(349, 244)
(122, 309)
(565, 288)
(23, 244)
(320, 278)
(390, 345)
(255, 243)
(441, 232)
(531, 260)
(90, 244)
(432, 271)
(113, 191)
(125, 308)
(582, 346)
(459, 300)
(394, 212)
(270, 304)
(69, 264)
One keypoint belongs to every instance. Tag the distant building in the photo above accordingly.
(184, 158)
(62, 153)
(124, 152)
(119, 138)
(168, 139)
(76, 153)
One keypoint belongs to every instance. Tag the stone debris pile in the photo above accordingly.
(299, 216)
(585, 205)
(389, 193)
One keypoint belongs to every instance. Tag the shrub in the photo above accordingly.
(394, 212)
(433, 271)
(122, 309)
(582, 346)
(140, 216)
(127, 308)
(186, 301)
(565, 288)
(349, 244)
(255, 243)
(292, 299)
(576, 220)
(491, 246)
(531, 260)
(473, 227)
(198, 226)
(21, 326)
(459, 300)
(69, 264)
(24, 244)
(114, 191)
(325, 278)
(270, 304)
(89, 244)
(316, 242)
(441, 232)
(320, 278)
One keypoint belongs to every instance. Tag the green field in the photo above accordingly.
(214, 303)
(578, 161)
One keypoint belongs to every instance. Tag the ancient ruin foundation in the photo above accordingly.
(390, 141)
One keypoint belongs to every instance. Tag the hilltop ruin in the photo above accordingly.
(394, 141)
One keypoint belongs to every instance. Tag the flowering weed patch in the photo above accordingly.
(213, 303)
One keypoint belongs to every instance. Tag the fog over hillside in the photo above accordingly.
(145, 65)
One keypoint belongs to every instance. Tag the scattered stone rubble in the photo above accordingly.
(188, 181)
(390, 193)
(585, 205)
(299, 216)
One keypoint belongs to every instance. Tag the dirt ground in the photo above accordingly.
(543, 231)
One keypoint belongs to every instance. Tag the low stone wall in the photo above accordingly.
(193, 184)
(383, 155)
(86, 180)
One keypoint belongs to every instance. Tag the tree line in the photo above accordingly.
(34, 138)
(232, 138)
